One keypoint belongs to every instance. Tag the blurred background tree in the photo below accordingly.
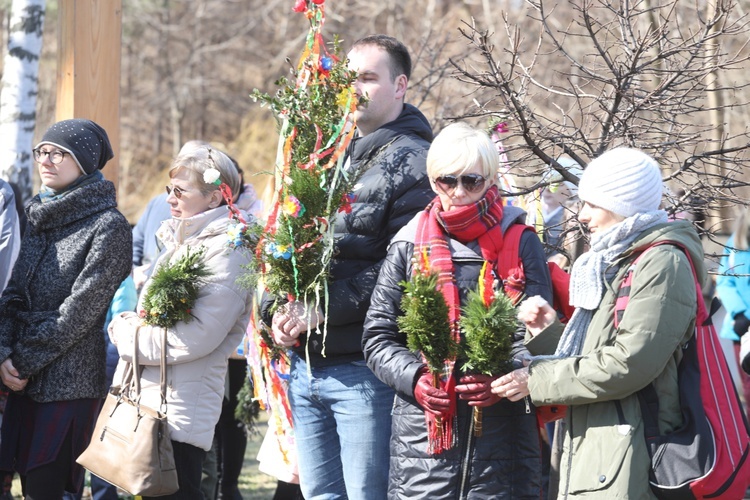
(568, 77)
(579, 78)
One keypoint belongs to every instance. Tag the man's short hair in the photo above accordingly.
(400, 60)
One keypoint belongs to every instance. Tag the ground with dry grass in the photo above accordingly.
(254, 485)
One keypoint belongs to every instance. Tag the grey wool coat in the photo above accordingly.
(76, 252)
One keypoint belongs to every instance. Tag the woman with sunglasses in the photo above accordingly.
(459, 231)
(199, 195)
(75, 253)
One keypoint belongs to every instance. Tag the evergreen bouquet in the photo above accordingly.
(488, 320)
(428, 331)
(174, 289)
(315, 111)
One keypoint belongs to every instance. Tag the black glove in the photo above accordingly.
(741, 324)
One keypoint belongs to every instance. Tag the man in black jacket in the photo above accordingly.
(341, 411)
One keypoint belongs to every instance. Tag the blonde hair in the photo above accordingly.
(458, 147)
(196, 160)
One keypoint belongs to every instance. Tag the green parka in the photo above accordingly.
(602, 457)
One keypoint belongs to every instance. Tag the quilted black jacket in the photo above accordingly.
(392, 189)
(505, 462)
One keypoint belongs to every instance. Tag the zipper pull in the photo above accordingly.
(528, 404)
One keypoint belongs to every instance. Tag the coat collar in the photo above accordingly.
(174, 232)
(76, 205)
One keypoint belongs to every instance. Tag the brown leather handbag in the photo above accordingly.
(130, 447)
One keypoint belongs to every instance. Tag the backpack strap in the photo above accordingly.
(647, 397)
(509, 256)
(623, 294)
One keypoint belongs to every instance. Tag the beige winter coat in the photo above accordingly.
(197, 351)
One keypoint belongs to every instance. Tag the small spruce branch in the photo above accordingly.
(487, 333)
(174, 289)
(425, 321)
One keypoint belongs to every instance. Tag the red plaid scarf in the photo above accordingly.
(481, 222)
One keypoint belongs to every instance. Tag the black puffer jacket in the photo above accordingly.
(76, 252)
(505, 462)
(388, 194)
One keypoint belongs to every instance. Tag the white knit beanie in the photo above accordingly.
(625, 181)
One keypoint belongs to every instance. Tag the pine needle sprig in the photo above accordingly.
(248, 408)
(315, 114)
(488, 320)
(487, 333)
(425, 320)
(174, 289)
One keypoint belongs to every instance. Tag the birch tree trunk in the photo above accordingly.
(18, 92)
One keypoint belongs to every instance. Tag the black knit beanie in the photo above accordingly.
(86, 142)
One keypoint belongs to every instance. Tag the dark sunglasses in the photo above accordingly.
(177, 191)
(472, 183)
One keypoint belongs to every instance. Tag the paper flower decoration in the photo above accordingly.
(293, 207)
(212, 176)
(280, 251)
(347, 100)
(500, 128)
(236, 234)
(346, 203)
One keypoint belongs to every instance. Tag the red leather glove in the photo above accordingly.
(431, 399)
(476, 390)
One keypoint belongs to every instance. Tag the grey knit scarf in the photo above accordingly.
(590, 271)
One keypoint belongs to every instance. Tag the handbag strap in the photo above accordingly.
(163, 370)
(623, 296)
(134, 371)
(136, 382)
(648, 398)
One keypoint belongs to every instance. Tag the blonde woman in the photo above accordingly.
(197, 350)
(460, 230)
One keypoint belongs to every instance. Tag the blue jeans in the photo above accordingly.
(342, 427)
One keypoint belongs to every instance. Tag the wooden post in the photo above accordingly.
(88, 67)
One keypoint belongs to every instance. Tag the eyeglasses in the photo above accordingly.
(472, 183)
(55, 156)
(177, 191)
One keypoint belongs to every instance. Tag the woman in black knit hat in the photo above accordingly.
(76, 251)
